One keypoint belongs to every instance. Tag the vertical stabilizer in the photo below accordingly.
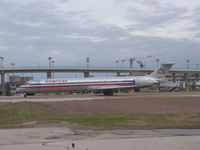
(162, 71)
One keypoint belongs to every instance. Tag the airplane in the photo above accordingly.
(106, 85)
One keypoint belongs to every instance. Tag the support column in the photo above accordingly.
(118, 74)
(174, 77)
(3, 83)
(197, 77)
(158, 87)
(131, 73)
(186, 81)
(49, 76)
(86, 74)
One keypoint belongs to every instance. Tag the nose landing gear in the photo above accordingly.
(28, 94)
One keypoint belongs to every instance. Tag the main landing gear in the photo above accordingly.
(108, 93)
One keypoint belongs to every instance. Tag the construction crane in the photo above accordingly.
(139, 60)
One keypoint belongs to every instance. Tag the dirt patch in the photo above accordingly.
(129, 105)
(3, 104)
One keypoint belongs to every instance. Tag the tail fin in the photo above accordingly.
(162, 71)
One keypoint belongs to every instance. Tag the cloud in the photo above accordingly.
(105, 31)
(166, 20)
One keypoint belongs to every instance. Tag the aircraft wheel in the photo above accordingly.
(108, 93)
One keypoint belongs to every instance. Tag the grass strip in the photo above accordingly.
(18, 113)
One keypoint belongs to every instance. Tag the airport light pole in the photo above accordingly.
(122, 62)
(87, 73)
(49, 72)
(53, 62)
(13, 64)
(131, 62)
(197, 66)
(87, 61)
(188, 64)
(157, 62)
(117, 62)
(2, 58)
(49, 58)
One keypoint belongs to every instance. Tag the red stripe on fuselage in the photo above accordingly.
(76, 85)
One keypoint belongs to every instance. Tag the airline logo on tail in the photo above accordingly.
(160, 71)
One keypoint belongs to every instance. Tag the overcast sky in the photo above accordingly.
(104, 30)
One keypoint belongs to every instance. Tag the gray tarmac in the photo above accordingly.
(61, 138)
(83, 97)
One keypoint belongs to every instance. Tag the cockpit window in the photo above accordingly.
(32, 82)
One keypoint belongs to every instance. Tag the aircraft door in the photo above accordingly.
(133, 82)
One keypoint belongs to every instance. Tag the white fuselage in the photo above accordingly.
(91, 84)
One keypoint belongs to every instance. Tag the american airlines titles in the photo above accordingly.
(55, 81)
